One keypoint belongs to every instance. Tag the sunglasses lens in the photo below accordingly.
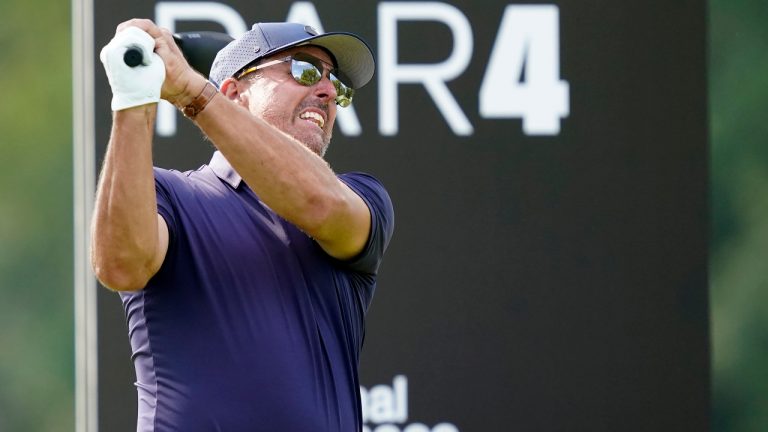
(343, 93)
(307, 73)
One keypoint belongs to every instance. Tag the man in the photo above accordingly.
(246, 282)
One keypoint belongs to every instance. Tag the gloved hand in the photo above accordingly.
(133, 86)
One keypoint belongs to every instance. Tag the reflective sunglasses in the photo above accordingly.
(308, 70)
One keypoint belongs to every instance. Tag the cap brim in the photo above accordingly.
(353, 56)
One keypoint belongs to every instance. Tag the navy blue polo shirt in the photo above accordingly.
(249, 325)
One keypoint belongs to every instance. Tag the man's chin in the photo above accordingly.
(318, 144)
(320, 148)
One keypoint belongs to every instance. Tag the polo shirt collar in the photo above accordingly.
(224, 170)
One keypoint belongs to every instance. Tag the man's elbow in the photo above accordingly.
(119, 278)
(342, 228)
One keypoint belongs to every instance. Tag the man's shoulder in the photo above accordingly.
(362, 179)
(175, 178)
(172, 173)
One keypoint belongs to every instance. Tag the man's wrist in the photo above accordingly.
(193, 88)
(198, 104)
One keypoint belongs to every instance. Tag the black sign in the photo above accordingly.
(548, 166)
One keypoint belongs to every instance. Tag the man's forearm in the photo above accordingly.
(124, 224)
(292, 180)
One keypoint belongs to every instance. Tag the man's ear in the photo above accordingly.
(230, 88)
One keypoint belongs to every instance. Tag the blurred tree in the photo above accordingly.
(739, 167)
(36, 311)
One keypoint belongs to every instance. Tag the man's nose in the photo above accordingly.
(325, 89)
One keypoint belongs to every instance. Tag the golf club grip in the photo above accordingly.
(199, 48)
(133, 57)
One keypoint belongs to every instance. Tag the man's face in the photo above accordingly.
(306, 113)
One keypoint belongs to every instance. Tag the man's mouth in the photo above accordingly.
(313, 117)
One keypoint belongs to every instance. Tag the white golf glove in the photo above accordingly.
(133, 86)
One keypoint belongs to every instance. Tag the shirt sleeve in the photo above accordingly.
(166, 206)
(382, 221)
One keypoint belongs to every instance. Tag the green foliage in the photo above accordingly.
(36, 314)
(739, 165)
